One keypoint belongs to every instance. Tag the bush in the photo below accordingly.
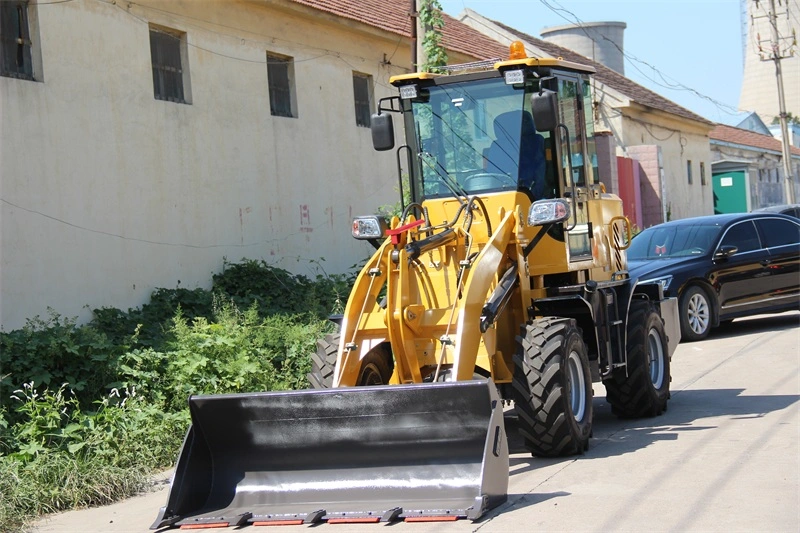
(95, 409)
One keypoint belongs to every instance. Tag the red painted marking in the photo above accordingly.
(448, 518)
(367, 520)
(279, 523)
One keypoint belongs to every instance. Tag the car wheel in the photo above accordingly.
(695, 314)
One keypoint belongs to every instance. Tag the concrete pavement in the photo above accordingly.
(724, 457)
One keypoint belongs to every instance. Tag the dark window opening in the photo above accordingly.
(361, 85)
(165, 53)
(279, 78)
(16, 41)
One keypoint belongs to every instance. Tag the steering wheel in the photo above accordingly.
(488, 180)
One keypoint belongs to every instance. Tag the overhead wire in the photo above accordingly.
(674, 85)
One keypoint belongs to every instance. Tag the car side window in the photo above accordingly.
(778, 232)
(743, 236)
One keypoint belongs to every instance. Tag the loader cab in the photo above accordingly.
(475, 133)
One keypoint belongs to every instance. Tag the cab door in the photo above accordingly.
(578, 158)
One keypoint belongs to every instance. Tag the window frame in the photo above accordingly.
(363, 108)
(689, 170)
(28, 66)
(166, 70)
(281, 84)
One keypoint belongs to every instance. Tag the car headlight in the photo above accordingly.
(664, 281)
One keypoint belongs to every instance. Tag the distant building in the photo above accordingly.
(653, 152)
(747, 170)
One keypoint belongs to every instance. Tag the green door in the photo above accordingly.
(730, 192)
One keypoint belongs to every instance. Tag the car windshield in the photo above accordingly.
(662, 242)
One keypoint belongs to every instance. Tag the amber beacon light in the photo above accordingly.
(516, 50)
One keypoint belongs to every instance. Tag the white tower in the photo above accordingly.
(602, 42)
(759, 87)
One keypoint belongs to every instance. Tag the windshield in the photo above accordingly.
(663, 242)
(478, 136)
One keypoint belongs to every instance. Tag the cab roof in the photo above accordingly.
(497, 65)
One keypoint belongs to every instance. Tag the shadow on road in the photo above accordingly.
(614, 436)
(759, 324)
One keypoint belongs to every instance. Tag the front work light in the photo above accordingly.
(371, 227)
(548, 212)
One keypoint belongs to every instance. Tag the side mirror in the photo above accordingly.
(725, 252)
(382, 132)
(544, 107)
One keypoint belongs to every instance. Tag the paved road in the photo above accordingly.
(725, 457)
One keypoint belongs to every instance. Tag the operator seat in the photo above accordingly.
(517, 151)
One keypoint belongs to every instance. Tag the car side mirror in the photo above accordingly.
(544, 108)
(725, 251)
(382, 132)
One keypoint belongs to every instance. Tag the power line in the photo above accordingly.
(668, 82)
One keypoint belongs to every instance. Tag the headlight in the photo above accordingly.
(372, 227)
(547, 212)
(664, 281)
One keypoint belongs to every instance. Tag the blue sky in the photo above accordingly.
(697, 44)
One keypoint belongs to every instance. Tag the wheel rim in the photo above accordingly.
(655, 351)
(577, 386)
(370, 375)
(698, 314)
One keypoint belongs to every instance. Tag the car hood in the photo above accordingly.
(653, 268)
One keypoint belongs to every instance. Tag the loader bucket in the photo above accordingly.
(433, 451)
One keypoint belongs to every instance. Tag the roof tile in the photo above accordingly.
(733, 135)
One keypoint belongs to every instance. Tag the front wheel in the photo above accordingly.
(695, 314)
(642, 389)
(552, 388)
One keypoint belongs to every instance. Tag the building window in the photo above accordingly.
(17, 59)
(689, 170)
(361, 86)
(702, 172)
(168, 56)
(280, 76)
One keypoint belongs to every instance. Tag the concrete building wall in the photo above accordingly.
(108, 193)
(759, 86)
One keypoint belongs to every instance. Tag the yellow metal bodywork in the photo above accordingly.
(429, 308)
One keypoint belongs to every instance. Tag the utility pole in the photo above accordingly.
(775, 54)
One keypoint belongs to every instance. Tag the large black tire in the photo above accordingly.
(552, 388)
(323, 362)
(376, 368)
(695, 309)
(642, 389)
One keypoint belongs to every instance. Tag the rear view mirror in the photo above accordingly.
(544, 107)
(382, 132)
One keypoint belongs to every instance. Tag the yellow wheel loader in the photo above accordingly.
(502, 283)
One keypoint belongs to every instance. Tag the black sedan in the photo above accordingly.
(722, 267)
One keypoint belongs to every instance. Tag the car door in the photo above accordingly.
(782, 239)
(741, 278)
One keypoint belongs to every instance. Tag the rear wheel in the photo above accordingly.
(642, 389)
(552, 388)
(323, 362)
(695, 314)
